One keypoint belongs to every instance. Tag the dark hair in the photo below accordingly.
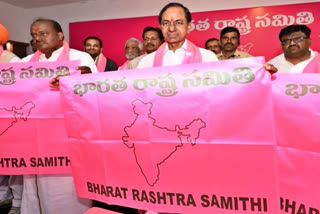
(147, 29)
(55, 24)
(228, 30)
(93, 37)
(210, 40)
(175, 4)
(294, 28)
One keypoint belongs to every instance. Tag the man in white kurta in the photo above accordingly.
(285, 66)
(175, 24)
(52, 194)
(295, 43)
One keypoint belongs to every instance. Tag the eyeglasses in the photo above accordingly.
(295, 40)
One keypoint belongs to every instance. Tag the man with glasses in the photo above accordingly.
(230, 40)
(175, 24)
(295, 42)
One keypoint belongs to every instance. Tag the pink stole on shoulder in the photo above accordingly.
(124, 66)
(313, 65)
(64, 56)
(1, 49)
(192, 55)
(102, 62)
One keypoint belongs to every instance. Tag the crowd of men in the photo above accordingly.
(162, 46)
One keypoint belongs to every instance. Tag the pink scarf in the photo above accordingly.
(192, 55)
(313, 65)
(64, 56)
(124, 66)
(1, 49)
(102, 61)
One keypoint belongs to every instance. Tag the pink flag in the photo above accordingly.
(102, 61)
(195, 138)
(296, 109)
(64, 56)
(32, 130)
(313, 65)
(124, 66)
(192, 54)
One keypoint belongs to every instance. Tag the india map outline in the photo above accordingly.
(189, 134)
(22, 112)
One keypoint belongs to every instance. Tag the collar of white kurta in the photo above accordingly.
(63, 55)
(312, 55)
(192, 54)
(311, 67)
(101, 62)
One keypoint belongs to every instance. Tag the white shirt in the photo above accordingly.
(175, 57)
(284, 66)
(85, 58)
(15, 59)
(8, 56)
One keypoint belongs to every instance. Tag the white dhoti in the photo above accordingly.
(51, 194)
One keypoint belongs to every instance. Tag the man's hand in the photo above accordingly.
(84, 69)
(270, 68)
(55, 82)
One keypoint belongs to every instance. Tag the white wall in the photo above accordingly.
(20, 19)
(16, 20)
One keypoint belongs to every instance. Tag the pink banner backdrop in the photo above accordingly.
(296, 109)
(190, 139)
(259, 28)
(33, 137)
